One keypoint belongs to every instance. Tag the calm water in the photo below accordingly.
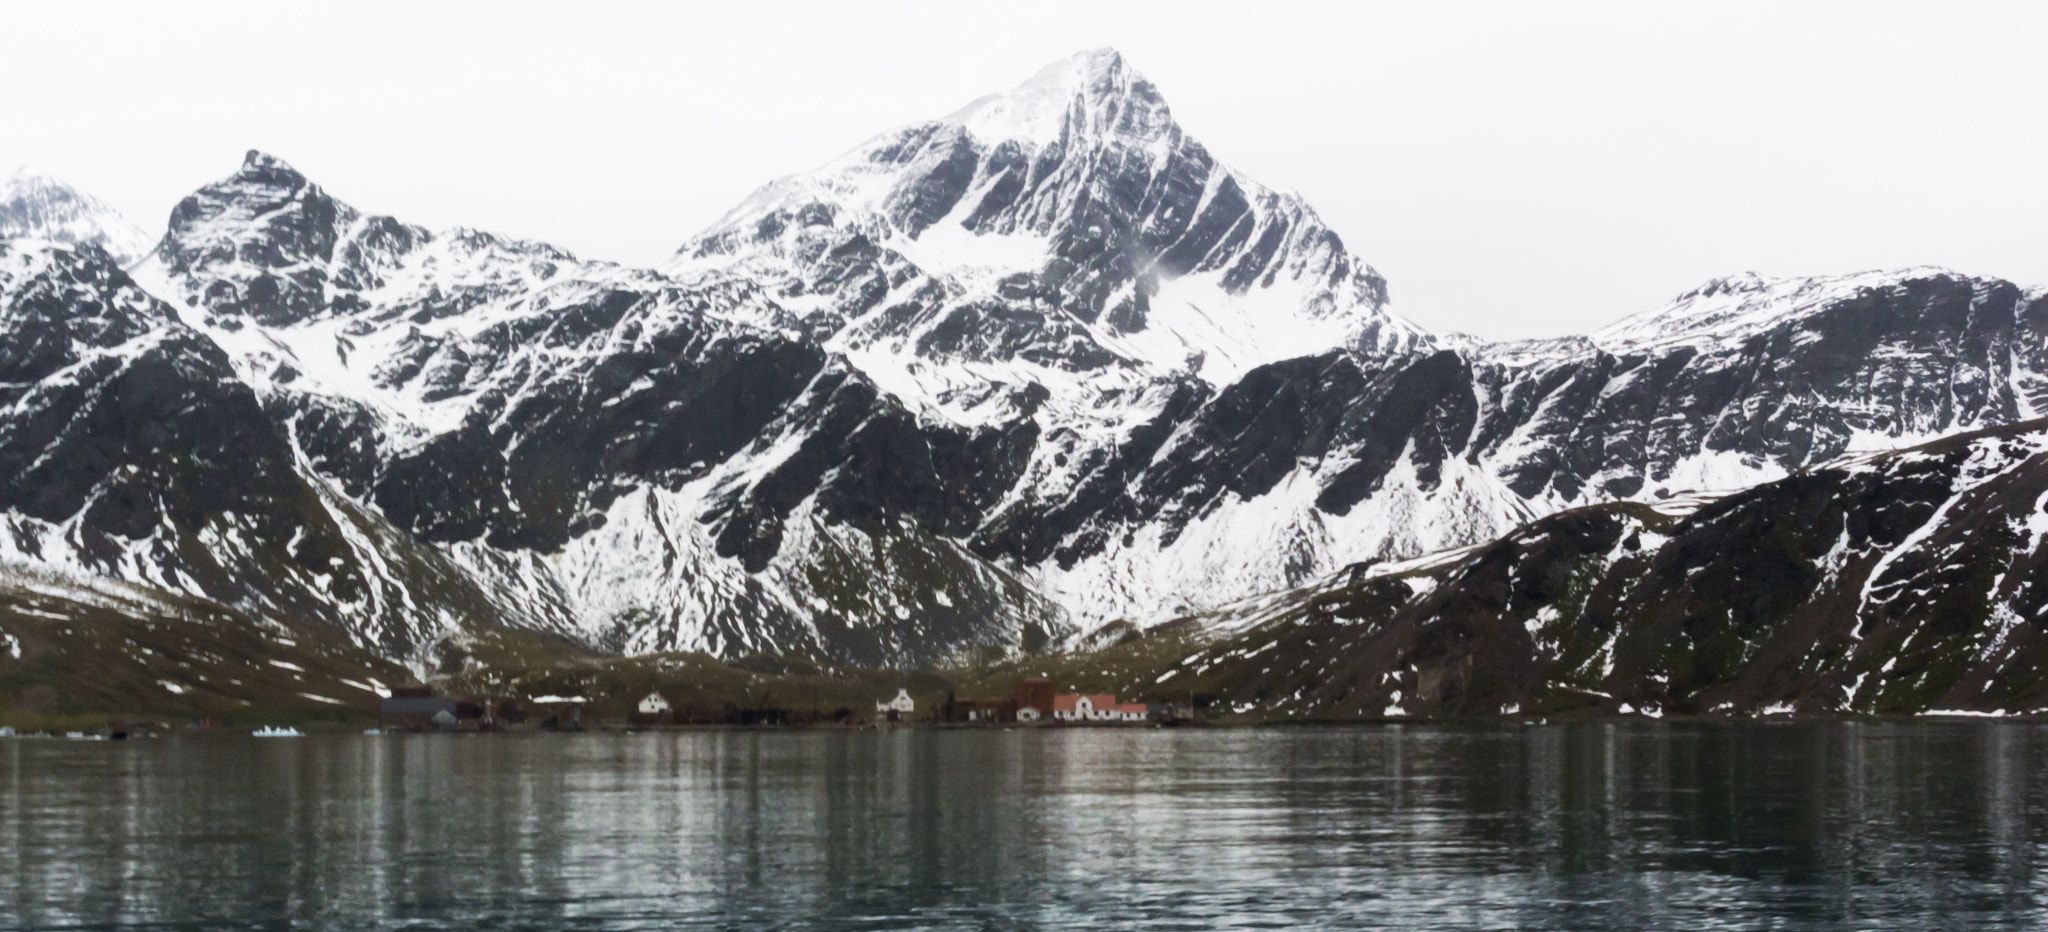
(1809, 826)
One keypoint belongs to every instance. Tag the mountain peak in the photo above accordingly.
(1734, 307)
(1738, 283)
(1092, 91)
(1074, 192)
(258, 162)
(38, 206)
(1755, 283)
(26, 181)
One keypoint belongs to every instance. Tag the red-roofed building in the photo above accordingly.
(1074, 708)
(1100, 707)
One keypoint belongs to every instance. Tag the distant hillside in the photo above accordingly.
(1899, 583)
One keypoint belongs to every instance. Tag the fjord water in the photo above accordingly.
(1581, 826)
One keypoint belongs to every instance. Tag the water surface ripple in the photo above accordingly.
(1585, 826)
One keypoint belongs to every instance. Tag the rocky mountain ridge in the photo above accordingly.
(1076, 201)
(1903, 582)
(985, 382)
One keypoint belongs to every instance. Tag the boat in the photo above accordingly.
(269, 731)
(373, 731)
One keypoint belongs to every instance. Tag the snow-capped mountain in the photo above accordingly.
(1902, 582)
(1071, 223)
(983, 382)
(132, 451)
(586, 439)
(37, 206)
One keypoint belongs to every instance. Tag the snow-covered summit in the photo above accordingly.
(1090, 94)
(1733, 308)
(267, 245)
(1075, 198)
(41, 207)
(257, 160)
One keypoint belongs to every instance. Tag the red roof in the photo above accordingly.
(1137, 707)
(1065, 703)
(1102, 702)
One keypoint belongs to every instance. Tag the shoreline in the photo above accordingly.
(144, 727)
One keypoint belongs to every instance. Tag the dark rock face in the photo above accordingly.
(1914, 354)
(64, 303)
(268, 246)
(1099, 503)
(133, 430)
(115, 406)
(1904, 584)
(1577, 421)
(872, 466)
(1429, 409)
(528, 470)
(276, 271)
(1254, 434)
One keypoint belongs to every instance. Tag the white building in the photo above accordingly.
(1081, 708)
(1095, 708)
(901, 704)
(654, 704)
(1028, 714)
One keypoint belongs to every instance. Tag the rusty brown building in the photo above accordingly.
(1035, 692)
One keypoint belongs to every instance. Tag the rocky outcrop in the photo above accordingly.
(131, 451)
(1896, 583)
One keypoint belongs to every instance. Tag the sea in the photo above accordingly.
(1911, 824)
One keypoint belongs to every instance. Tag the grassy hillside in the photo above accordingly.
(76, 654)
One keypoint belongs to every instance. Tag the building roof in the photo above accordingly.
(409, 705)
(1137, 707)
(1066, 703)
(1102, 701)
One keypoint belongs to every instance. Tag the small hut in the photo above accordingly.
(558, 713)
(653, 709)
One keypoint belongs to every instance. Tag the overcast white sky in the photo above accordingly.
(1514, 169)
